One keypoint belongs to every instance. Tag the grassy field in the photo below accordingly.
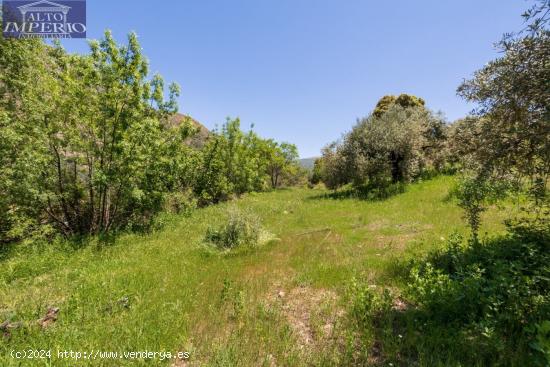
(282, 304)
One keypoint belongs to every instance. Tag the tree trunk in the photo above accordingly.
(396, 169)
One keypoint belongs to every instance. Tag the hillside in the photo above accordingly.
(308, 163)
(202, 132)
(281, 304)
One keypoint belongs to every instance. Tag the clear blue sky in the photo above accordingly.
(303, 71)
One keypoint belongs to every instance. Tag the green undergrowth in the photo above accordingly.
(163, 291)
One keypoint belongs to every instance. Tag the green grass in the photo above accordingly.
(223, 308)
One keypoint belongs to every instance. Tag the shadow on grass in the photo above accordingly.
(367, 193)
(60, 244)
(7, 250)
(80, 241)
(467, 304)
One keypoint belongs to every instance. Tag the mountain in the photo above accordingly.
(308, 163)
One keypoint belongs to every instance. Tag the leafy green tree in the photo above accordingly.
(24, 84)
(387, 149)
(397, 143)
(85, 167)
(88, 144)
(281, 159)
(234, 162)
(317, 172)
(335, 170)
(513, 124)
(212, 184)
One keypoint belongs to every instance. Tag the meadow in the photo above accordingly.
(284, 303)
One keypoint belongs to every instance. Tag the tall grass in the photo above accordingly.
(164, 292)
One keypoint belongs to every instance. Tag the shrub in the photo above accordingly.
(470, 303)
(474, 194)
(241, 229)
(496, 292)
(180, 202)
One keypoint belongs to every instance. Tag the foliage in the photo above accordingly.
(235, 162)
(333, 169)
(510, 135)
(86, 167)
(473, 194)
(87, 144)
(387, 148)
(498, 290)
(469, 303)
(403, 100)
(383, 105)
(317, 171)
(506, 142)
(241, 229)
(180, 202)
(281, 160)
(382, 149)
(293, 175)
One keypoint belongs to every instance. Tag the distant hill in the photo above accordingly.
(307, 163)
(197, 140)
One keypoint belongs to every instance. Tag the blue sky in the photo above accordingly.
(303, 71)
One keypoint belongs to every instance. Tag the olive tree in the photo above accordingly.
(513, 114)
(506, 139)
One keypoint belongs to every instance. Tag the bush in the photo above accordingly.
(180, 203)
(241, 229)
(470, 303)
(497, 291)
(234, 162)
(474, 194)
(89, 145)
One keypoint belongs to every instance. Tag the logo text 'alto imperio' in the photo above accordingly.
(44, 19)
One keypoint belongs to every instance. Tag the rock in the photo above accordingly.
(6, 326)
(124, 302)
(399, 305)
(50, 318)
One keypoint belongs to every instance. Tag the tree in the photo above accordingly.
(383, 105)
(395, 144)
(387, 149)
(235, 162)
(85, 138)
(403, 100)
(513, 111)
(334, 168)
(282, 157)
(88, 144)
(23, 80)
(317, 172)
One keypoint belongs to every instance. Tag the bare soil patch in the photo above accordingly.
(312, 313)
